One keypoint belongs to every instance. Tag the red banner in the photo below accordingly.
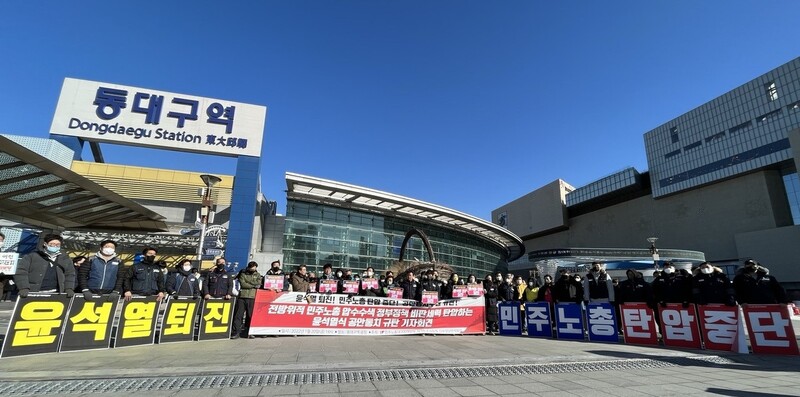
(770, 328)
(639, 325)
(297, 313)
(679, 326)
(719, 325)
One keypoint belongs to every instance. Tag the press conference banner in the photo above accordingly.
(89, 323)
(770, 329)
(298, 313)
(179, 320)
(215, 319)
(137, 322)
(679, 326)
(36, 325)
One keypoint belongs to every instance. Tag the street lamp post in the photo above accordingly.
(654, 251)
(205, 209)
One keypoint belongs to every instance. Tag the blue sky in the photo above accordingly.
(465, 104)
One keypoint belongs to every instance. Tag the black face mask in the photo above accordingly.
(149, 259)
(251, 270)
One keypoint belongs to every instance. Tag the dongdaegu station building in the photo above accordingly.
(722, 185)
(45, 185)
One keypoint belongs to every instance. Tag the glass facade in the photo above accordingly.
(317, 234)
(613, 182)
(741, 131)
(792, 183)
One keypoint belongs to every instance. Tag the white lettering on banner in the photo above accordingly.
(569, 323)
(510, 315)
(637, 319)
(676, 324)
(721, 327)
(778, 327)
(537, 317)
(601, 320)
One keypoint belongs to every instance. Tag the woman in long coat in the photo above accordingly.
(490, 295)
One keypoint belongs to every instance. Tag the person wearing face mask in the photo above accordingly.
(327, 272)
(182, 282)
(412, 289)
(250, 280)
(103, 273)
(568, 289)
(672, 287)
(754, 285)
(471, 279)
(711, 285)
(597, 285)
(530, 292)
(218, 283)
(452, 282)
(490, 296)
(145, 277)
(507, 290)
(634, 289)
(372, 291)
(545, 293)
(388, 283)
(430, 283)
(47, 270)
(519, 287)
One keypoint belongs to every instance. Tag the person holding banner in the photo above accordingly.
(46, 270)
(754, 285)
(299, 279)
(447, 293)
(711, 285)
(545, 293)
(373, 286)
(102, 274)
(672, 287)
(597, 285)
(387, 285)
(249, 281)
(182, 282)
(634, 289)
(490, 296)
(144, 278)
(218, 283)
(412, 289)
(568, 289)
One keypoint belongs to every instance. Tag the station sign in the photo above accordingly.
(113, 113)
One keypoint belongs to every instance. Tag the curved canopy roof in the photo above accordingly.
(323, 191)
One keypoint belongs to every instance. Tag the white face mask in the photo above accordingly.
(369, 274)
(187, 268)
(668, 270)
(706, 270)
(107, 251)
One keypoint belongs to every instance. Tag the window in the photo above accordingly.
(691, 146)
(672, 154)
(793, 106)
(766, 117)
(772, 91)
(673, 132)
(740, 126)
(715, 137)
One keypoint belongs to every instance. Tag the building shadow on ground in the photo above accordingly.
(775, 363)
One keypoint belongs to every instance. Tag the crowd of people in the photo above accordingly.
(50, 269)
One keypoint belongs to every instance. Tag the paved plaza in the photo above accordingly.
(398, 366)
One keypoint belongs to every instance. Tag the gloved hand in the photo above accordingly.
(196, 297)
(586, 303)
(685, 305)
(23, 293)
(113, 296)
(87, 294)
(663, 304)
(70, 293)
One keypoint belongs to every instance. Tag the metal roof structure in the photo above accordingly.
(323, 191)
(39, 192)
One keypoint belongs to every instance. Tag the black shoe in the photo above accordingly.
(251, 337)
(236, 336)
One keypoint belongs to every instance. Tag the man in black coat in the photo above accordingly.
(49, 269)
